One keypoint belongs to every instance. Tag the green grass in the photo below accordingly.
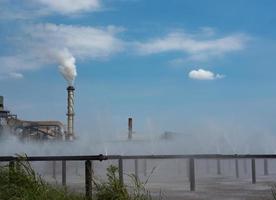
(114, 190)
(22, 183)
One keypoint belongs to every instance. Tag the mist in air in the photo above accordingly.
(109, 139)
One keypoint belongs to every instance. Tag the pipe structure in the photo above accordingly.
(1, 103)
(70, 113)
(130, 132)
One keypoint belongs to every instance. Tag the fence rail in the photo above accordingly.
(191, 158)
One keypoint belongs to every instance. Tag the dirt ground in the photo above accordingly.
(169, 180)
(215, 189)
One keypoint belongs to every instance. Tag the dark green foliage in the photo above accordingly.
(114, 190)
(20, 182)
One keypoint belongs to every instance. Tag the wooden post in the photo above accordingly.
(63, 172)
(265, 167)
(253, 168)
(88, 179)
(237, 168)
(54, 169)
(121, 171)
(218, 167)
(136, 169)
(192, 174)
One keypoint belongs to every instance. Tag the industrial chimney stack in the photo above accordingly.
(130, 128)
(70, 113)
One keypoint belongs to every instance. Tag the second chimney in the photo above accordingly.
(130, 128)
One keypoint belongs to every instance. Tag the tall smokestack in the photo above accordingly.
(70, 113)
(68, 69)
(130, 128)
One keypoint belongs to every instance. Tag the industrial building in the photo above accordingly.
(11, 124)
(38, 130)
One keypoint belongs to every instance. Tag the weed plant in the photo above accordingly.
(113, 189)
(20, 182)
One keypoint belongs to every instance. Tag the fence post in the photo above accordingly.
(121, 171)
(88, 179)
(63, 172)
(237, 168)
(136, 168)
(265, 167)
(253, 167)
(192, 173)
(218, 167)
(54, 169)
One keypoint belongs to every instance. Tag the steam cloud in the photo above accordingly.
(67, 66)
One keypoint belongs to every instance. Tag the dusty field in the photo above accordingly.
(215, 189)
(169, 179)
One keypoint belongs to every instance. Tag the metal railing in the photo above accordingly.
(191, 169)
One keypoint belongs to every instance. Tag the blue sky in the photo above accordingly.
(168, 64)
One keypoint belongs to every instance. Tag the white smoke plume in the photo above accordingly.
(67, 66)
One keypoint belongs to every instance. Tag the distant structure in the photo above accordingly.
(130, 131)
(1, 103)
(70, 113)
(9, 123)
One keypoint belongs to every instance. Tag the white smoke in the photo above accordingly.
(67, 65)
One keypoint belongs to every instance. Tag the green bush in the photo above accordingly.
(21, 182)
(113, 189)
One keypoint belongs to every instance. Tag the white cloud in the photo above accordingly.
(202, 74)
(208, 31)
(39, 45)
(193, 45)
(82, 41)
(12, 75)
(16, 75)
(34, 9)
(70, 6)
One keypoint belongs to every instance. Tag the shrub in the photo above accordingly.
(21, 182)
(113, 189)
